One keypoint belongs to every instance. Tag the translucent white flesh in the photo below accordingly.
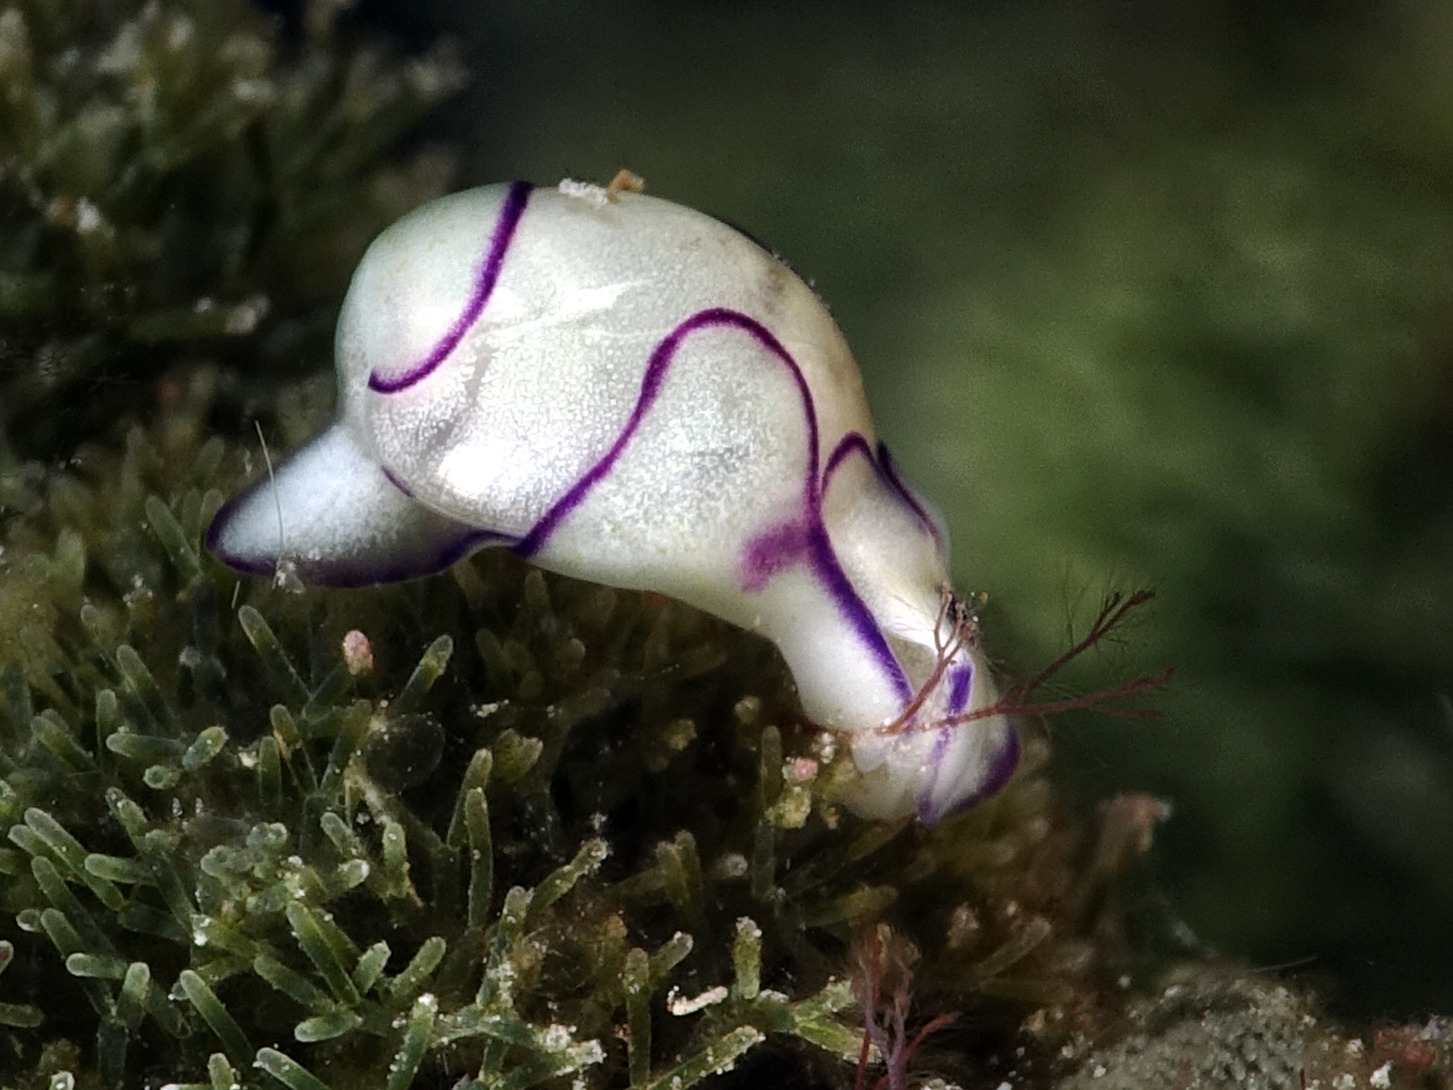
(631, 392)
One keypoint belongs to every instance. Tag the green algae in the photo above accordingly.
(547, 836)
(174, 175)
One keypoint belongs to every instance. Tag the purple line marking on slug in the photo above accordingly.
(1000, 772)
(840, 587)
(819, 549)
(660, 361)
(211, 540)
(409, 567)
(890, 474)
(940, 747)
(959, 678)
(485, 280)
(771, 552)
(397, 481)
(851, 443)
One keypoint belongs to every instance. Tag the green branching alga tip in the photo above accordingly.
(497, 824)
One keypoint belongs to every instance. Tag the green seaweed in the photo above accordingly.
(173, 176)
(556, 832)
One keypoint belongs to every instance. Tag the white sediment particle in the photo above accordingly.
(681, 1006)
(1382, 1077)
(732, 865)
(243, 318)
(557, 1038)
(594, 195)
(825, 746)
(285, 577)
(88, 217)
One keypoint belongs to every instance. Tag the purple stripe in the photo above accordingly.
(767, 554)
(820, 551)
(959, 679)
(1000, 772)
(851, 443)
(410, 566)
(854, 443)
(656, 368)
(485, 280)
(397, 481)
(825, 562)
(890, 474)
(941, 740)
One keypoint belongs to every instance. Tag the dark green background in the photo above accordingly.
(1144, 295)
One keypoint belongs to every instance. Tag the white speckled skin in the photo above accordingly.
(631, 392)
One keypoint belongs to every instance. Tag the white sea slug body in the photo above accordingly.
(631, 392)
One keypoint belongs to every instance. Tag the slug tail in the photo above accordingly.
(337, 518)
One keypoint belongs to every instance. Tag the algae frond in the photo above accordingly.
(174, 175)
(495, 826)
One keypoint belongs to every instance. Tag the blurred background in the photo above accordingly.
(1145, 295)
